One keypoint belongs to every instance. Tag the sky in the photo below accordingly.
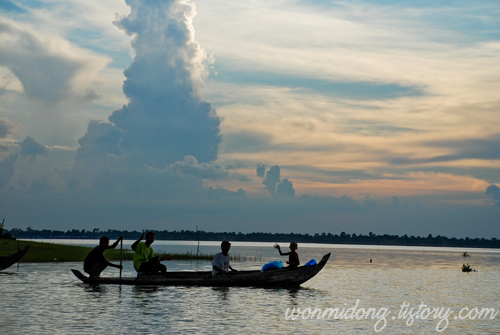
(251, 116)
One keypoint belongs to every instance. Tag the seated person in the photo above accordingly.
(95, 262)
(220, 265)
(293, 256)
(144, 258)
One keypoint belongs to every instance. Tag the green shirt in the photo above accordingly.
(143, 253)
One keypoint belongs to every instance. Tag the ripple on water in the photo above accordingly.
(47, 299)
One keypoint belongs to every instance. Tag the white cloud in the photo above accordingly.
(165, 119)
(6, 128)
(190, 166)
(50, 68)
(31, 148)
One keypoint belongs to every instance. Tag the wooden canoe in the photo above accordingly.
(8, 261)
(274, 278)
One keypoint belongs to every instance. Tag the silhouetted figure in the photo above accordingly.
(293, 256)
(220, 265)
(95, 262)
(144, 258)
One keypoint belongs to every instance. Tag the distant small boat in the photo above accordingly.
(285, 277)
(8, 261)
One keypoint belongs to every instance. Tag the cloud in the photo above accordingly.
(6, 127)
(285, 188)
(153, 160)
(165, 119)
(162, 144)
(272, 179)
(369, 203)
(493, 191)
(222, 193)
(100, 140)
(261, 170)
(395, 202)
(9, 6)
(190, 166)
(31, 148)
(246, 141)
(41, 185)
(49, 67)
(274, 185)
(7, 169)
(237, 165)
(486, 149)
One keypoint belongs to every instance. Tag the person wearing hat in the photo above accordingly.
(220, 265)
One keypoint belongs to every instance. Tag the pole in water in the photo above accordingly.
(121, 258)
(18, 251)
(198, 236)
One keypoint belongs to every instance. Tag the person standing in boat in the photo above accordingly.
(293, 256)
(95, 262)
(144, 258)
(220, 265)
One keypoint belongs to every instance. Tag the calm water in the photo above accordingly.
(48, 299)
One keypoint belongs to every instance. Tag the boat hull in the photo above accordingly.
(274, 278)
(8, 261)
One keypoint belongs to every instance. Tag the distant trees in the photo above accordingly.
(343, 238)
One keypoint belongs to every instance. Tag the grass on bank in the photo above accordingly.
(50, 252)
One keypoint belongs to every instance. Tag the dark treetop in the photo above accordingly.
(343, 238)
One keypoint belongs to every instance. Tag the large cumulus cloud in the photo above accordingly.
(7, 128)
(165, 119)
(7, 169)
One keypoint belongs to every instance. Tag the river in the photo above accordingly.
(403, 290)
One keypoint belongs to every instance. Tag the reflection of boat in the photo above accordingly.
(273, 278)
(7, 261)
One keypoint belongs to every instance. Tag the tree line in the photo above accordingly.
(200, 235)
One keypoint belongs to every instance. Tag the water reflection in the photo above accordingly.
(95, 288)
(145, 290)
(3, 273)
(293, 295)
(222, 292)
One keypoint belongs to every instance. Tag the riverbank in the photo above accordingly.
(50, 252)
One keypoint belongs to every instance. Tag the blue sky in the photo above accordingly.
(290, 116)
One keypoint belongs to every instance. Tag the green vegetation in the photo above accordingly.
(50, 252)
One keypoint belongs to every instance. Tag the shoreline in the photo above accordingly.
(317, 238)
(46, 252)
